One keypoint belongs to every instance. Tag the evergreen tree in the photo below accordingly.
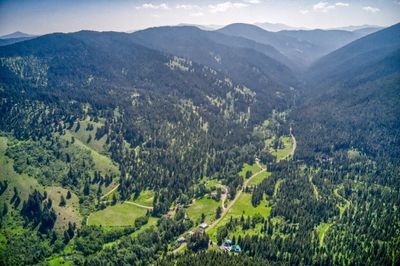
(5, 209)
(62, 201)
(218, 212)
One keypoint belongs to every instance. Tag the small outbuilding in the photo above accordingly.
(203, 226)
(181, 240)
(236, 248)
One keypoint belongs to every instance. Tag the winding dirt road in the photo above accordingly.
(109, 192)
(225, 210)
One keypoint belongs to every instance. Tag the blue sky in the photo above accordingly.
(44, 16)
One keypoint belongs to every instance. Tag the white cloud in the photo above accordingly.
(323, 7)
(223, 7)
(371, 9)
(252, 1)
(187, 7)
(342, 4)
(304, 11)
(152, 6)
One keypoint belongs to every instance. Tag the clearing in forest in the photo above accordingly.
(24, 183)
(121, 214)
(321, 229)
(242, 206)
(285, 150)
(67, 213)
(205, 205)
(145, 198)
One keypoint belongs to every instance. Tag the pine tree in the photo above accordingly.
(5, 209)
(218, 212)
(86, 188)
(69, 194)
(62, 201)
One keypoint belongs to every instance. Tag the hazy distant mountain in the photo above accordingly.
(366, 59)
(366, 31)
(277, 26)
(300, 51)
(16, 34)
(202, 27)
(327, 40)
(360, 27)
(301, 46)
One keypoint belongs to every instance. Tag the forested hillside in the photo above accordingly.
(156, 147)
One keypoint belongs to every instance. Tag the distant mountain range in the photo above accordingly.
(277, 26)
(360, 27)
(301, 46)
(15, 37)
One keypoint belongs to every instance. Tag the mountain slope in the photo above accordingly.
(270, 79)
(8, 41)
(301, 52)
(178, 40)
(328, 40)
(147, 99)
(354, 99)
(350, 63)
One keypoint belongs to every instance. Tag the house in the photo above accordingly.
(203, 226)
(236, 248)
(228, 243)
(225, 248)
(181, 240)
(190, 233)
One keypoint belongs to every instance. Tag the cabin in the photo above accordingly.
(228, 243)
(203, 226)
(181, 240)
(236, 248)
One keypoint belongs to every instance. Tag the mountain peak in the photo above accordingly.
(17, 34)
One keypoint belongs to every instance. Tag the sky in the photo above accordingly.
(45, 16)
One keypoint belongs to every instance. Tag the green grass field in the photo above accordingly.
(243, 206)
(259, 178)
(254, 168)
(212, 183)
(151, 223)
(121, 214)
(68, 213)
(342, 208)
(321, 229)
(145, 198)
(204, 205)
(102, 162)
(284, 152)
(58, 261)
(82, 134)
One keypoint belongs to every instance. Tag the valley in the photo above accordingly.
(175, 145)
